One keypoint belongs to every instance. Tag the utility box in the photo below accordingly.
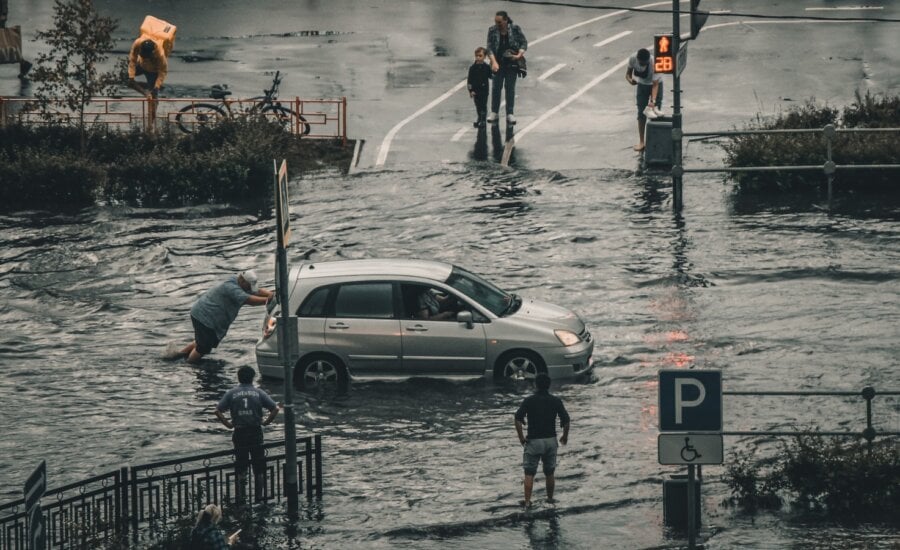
(658, 142)
(675, 504)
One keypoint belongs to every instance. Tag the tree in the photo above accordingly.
(69, 74)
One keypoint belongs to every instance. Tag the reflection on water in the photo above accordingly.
(89, 301)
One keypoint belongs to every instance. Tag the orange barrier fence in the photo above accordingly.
(312, 118)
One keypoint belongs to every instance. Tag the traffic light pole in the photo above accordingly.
(677, 169)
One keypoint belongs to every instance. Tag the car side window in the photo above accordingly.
(315, 303)
(365, 300)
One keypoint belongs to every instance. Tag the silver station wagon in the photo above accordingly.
(404, 318)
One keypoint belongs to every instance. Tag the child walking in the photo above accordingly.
(479, 77)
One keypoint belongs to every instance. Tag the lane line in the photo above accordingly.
(776, 22)
(385, 147)
(847, 8)
(458, 135)
(562, 105)
(612, 39)
(549, 72)
(519, 135)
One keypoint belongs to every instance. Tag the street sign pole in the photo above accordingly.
(282, 218)
(35, 487)
(677, 169)
(692, 521)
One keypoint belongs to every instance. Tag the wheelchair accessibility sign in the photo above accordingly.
(685, 448)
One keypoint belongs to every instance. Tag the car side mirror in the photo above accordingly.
(466, 317)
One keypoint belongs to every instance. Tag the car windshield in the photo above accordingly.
(483, 292)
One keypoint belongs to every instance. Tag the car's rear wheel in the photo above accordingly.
(519, 365)
(321, 373)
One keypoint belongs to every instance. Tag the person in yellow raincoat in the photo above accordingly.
(148, 58)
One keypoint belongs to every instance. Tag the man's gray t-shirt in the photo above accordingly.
(246, 403)
(218, 307)
(645, 74)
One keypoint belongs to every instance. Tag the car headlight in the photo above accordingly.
(269, 326)
(567, 337)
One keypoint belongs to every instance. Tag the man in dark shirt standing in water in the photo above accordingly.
(541, 410)
(246, 402)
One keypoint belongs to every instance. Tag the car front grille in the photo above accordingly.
(585, 335)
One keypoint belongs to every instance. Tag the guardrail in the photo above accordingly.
(140, 501)
(869, 433)
(310, 118)
(828, 168)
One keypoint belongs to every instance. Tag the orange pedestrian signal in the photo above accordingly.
(663, 60)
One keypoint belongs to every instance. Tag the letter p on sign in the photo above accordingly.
(680, 402)
(690, 401)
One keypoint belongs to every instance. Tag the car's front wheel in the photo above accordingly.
(519, 365)
(321, 373)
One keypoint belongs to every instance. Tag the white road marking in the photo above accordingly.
(597, 80)
(775, 22)
(549, 72)
(458, 135)
(847, 8)
(612, 39)
(389, 137)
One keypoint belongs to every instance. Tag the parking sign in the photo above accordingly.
(690, 401)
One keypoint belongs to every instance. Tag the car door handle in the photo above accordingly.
(417, 328)
(340, 326)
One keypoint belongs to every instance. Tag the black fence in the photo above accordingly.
(133, 504)
(868, 394)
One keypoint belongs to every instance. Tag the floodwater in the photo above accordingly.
(777, 297)
(777, 294)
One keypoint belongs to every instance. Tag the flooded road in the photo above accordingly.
(775, 296)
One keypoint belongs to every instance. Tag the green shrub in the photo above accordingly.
(810, 149)
(847, 481)
(231, 161)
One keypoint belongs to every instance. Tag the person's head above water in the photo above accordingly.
(643, 56)
(501, 18)
(246, 374)
(542, 382)
(148, 48)
(249, 281)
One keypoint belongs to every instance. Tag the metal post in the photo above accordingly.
(868, 394)
(122, 502)
(677, 168)
(692, 521)
(344, 119)
(829, 167)
(290, 429)
(318, 466)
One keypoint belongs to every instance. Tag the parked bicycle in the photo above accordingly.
(198, 115)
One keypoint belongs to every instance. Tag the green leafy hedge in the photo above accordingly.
(42, 166)
(847, 481)
(810, 149)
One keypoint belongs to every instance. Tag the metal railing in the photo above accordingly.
(869, 433)
(141, 501)
(311, 118)
(828, 168)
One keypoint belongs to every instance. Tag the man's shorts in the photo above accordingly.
(151, 77)
(204, 336)
(643, 97)
(540, 450)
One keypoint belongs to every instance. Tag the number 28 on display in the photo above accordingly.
(662, 53)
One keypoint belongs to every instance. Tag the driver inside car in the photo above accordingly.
(430, 303)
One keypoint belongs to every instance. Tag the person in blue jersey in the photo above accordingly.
(245, 403)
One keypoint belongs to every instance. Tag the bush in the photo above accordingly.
(810, 149)
(231, 161)
(846, 481)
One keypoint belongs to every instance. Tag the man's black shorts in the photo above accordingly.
(204, 336)
(151, 77)
(248, 449)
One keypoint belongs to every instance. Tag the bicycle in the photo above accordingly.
(208, 114)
